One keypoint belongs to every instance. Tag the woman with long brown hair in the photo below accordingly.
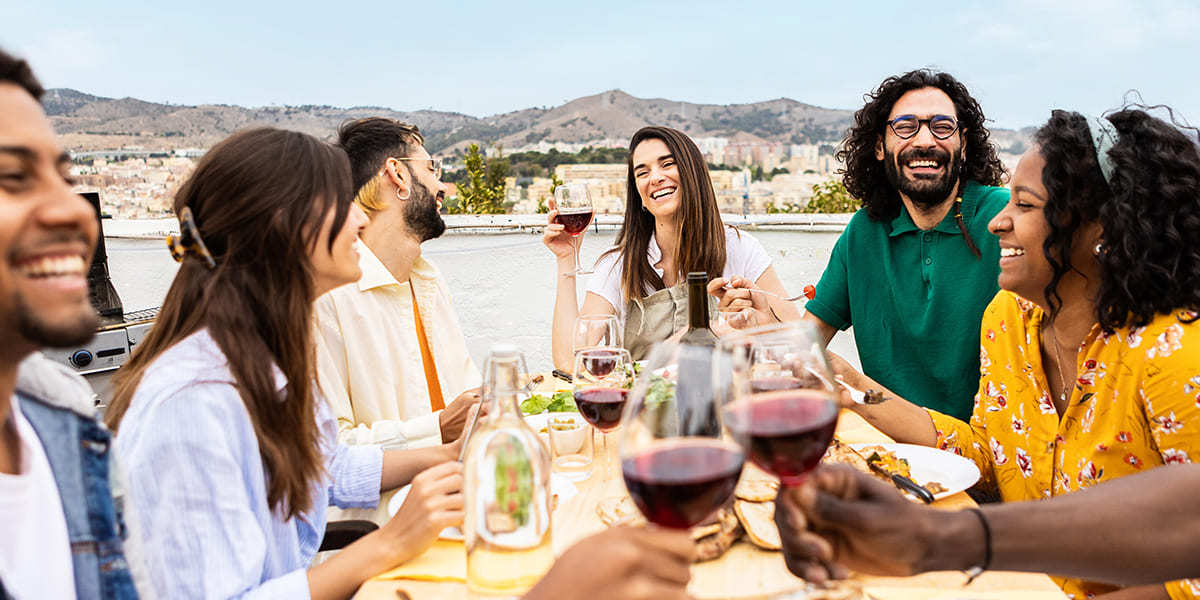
(230, 452)
(672, 227)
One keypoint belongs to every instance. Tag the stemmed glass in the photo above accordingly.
(574, 205)
(597, 331)
(782, 403)
(599, 383)
(730, 320)
(679, 464)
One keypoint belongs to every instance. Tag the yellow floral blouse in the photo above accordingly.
(1134, 406)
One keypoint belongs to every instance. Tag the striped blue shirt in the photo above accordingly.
(199, 490)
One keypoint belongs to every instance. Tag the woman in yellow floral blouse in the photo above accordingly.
(1090, 353)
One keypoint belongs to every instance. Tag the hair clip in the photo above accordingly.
(188, 241)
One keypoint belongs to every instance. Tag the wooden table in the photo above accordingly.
(576, 518)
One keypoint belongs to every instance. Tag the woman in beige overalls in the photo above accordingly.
(672, 227)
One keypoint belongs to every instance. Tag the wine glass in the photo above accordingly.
(679, 464)
(574, 205)
(596, 331)
(600, 383)
(782, 403)
(732, 319)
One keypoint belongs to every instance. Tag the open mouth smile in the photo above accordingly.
(69, 265)
(663, 193)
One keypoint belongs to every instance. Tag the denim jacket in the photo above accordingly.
(58, 404)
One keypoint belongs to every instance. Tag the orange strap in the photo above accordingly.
(431, 377)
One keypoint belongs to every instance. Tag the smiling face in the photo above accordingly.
(656, 176)
(923, 168)
(47, 234)
(425, 197)
(1022, 228)
(337, 266)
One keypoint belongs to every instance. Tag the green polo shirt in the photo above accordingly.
(916, 298)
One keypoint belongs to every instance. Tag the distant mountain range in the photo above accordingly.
(89, 122)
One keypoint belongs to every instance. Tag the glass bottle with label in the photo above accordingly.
(507, 488)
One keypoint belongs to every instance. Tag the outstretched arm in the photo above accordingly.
(868, 526)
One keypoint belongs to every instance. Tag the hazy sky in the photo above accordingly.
(1019, 57)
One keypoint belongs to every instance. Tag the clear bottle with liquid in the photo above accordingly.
(507, 488)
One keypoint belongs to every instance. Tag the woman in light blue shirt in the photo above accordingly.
(230, 452)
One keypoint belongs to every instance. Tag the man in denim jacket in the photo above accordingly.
(61, 527)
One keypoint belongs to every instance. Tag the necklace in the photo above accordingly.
(1062, 378)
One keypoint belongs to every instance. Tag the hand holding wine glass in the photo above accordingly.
(574, 205)
(783, 405)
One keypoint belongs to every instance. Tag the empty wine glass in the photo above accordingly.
(574, 205)
(782, 406)
(596, 331)
(733, 319)
(679, 464)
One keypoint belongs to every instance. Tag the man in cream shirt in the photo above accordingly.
(391, 356)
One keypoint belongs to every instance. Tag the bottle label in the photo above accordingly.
(514, 487)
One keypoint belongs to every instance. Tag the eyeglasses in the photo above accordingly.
(435, 162)
(906, 126)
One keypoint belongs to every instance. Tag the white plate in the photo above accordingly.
(559, 486)
(927, 464)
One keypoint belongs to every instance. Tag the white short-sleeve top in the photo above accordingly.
(744, 257)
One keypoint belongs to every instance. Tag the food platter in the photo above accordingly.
(954, 472)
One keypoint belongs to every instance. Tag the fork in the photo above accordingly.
(758, 291)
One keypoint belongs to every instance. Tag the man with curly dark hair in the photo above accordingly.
(916, 266)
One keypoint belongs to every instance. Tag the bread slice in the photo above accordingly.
(759, 520)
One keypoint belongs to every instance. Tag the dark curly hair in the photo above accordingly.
(1150, 212)
(16, 71)
(865, 176)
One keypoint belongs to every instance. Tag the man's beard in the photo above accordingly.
(924, 192)
(421, 213)
(42, 332)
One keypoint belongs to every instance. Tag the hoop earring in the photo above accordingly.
(399, 197)
(1098, 249)
(643, 207)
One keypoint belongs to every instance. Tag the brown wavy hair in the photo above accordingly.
(699, 231)
(259, 199)
(865, 176)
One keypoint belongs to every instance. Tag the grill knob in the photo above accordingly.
(81, 358)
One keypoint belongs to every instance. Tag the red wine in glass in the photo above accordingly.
(680, 483)
(574, 220)
(601, 406)
(785, 432)
(600, 363)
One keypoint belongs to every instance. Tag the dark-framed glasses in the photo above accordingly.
(906, 126)
(435, 164)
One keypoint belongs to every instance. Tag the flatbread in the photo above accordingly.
(756, 490)
(758, 518)
(714, 545)
(619, 510)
